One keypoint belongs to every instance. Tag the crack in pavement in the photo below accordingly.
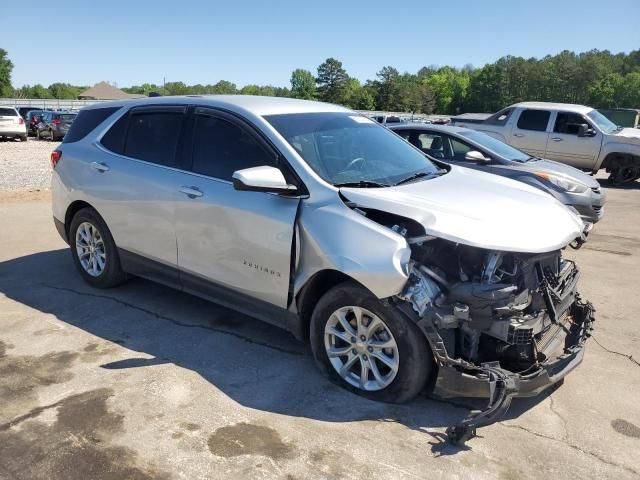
(565, 423)
(176, 322)
(627, 356)
(570, 445)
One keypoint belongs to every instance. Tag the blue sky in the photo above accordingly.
(132, 42)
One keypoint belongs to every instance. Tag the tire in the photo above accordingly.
(111, 273)
(23, 138)
(38, 135)
(411, 353)
(53, 136)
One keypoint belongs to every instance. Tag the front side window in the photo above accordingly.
(221, 147)
(432, 144)
(459, 149)
(345, 148)
(497, 147)
(153, 137)
(536, 120)
(568, 123)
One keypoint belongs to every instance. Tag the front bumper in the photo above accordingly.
(500, 385)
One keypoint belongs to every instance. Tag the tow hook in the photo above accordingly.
(503, 386)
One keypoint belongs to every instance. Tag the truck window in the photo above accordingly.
(568, 123)
(534, 120)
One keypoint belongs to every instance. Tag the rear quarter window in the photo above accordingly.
(86, 121)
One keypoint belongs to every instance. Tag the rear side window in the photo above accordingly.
(534, 120)
(221, 147)
(8, 112)
(114, 138)
(153, 137)
(85, 122)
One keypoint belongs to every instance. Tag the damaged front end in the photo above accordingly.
(500, 324)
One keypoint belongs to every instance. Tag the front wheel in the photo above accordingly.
(368, 347)
(94, 251)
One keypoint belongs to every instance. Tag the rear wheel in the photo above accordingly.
(94, 251)
(368, 347)
(53, 136)
(23, 138)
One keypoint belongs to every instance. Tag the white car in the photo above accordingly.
(573, 134)
(12, 124)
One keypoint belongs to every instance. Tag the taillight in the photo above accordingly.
(21, 121)
(55, 122)
(56, 155)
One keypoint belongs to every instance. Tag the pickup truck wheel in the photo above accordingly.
(368, 347)
(94, 251)
(622, 175)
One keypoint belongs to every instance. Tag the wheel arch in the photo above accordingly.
(72, 209)
(311, 292)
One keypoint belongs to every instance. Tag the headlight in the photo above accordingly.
(563, 183)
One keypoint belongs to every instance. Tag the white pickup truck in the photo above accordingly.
(573, 134)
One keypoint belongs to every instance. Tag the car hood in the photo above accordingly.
(549, 166)
(627, 135)
(478, 209)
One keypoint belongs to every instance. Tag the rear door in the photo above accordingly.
(530, 132)
(135, 183)
(565, 146)
(232, 245)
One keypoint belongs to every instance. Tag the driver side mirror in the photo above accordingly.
(476, 156)
(262, 179)
(585, 131)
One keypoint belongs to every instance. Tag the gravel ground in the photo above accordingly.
(25, 165)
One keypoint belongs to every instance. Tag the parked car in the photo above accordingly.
(54, 125)
(23, 111)
(12, 124)
(573, 134)
(387, 119)
(477, 150)
(31, 120)
(398, 270)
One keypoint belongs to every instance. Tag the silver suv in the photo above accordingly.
(403, 272)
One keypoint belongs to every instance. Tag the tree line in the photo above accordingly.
(597, 78)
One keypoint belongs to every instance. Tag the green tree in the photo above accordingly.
(388, 89)
(332, 81)
(64, 91)
(6, 90)
(224, 87)
(35, 91)
(303, 84)
(357, 97)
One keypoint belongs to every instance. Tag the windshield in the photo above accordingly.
(344, 147)
(606, 125)
(496, 146)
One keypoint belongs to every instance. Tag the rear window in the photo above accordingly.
(85, 122)
(8, 112)
(534, 120)
(66, 118)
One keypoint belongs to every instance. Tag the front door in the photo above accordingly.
(565, 146)
(232, 243)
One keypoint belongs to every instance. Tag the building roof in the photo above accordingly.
(104, 91)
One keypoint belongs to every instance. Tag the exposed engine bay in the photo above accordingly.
(499, 318)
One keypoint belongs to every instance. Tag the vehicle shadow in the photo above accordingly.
(606, 183)
(255, 364)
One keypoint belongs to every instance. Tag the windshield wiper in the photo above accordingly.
(361, 184)
(417, 175)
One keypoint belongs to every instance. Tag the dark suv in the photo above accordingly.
(54, 125)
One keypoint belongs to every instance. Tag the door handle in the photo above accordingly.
(518, 135)
(191, 192)
(99, 166)
(556, 139)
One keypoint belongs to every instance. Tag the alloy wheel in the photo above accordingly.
(361, 348)
(90, 249)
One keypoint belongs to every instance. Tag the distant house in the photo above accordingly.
(104, 91)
